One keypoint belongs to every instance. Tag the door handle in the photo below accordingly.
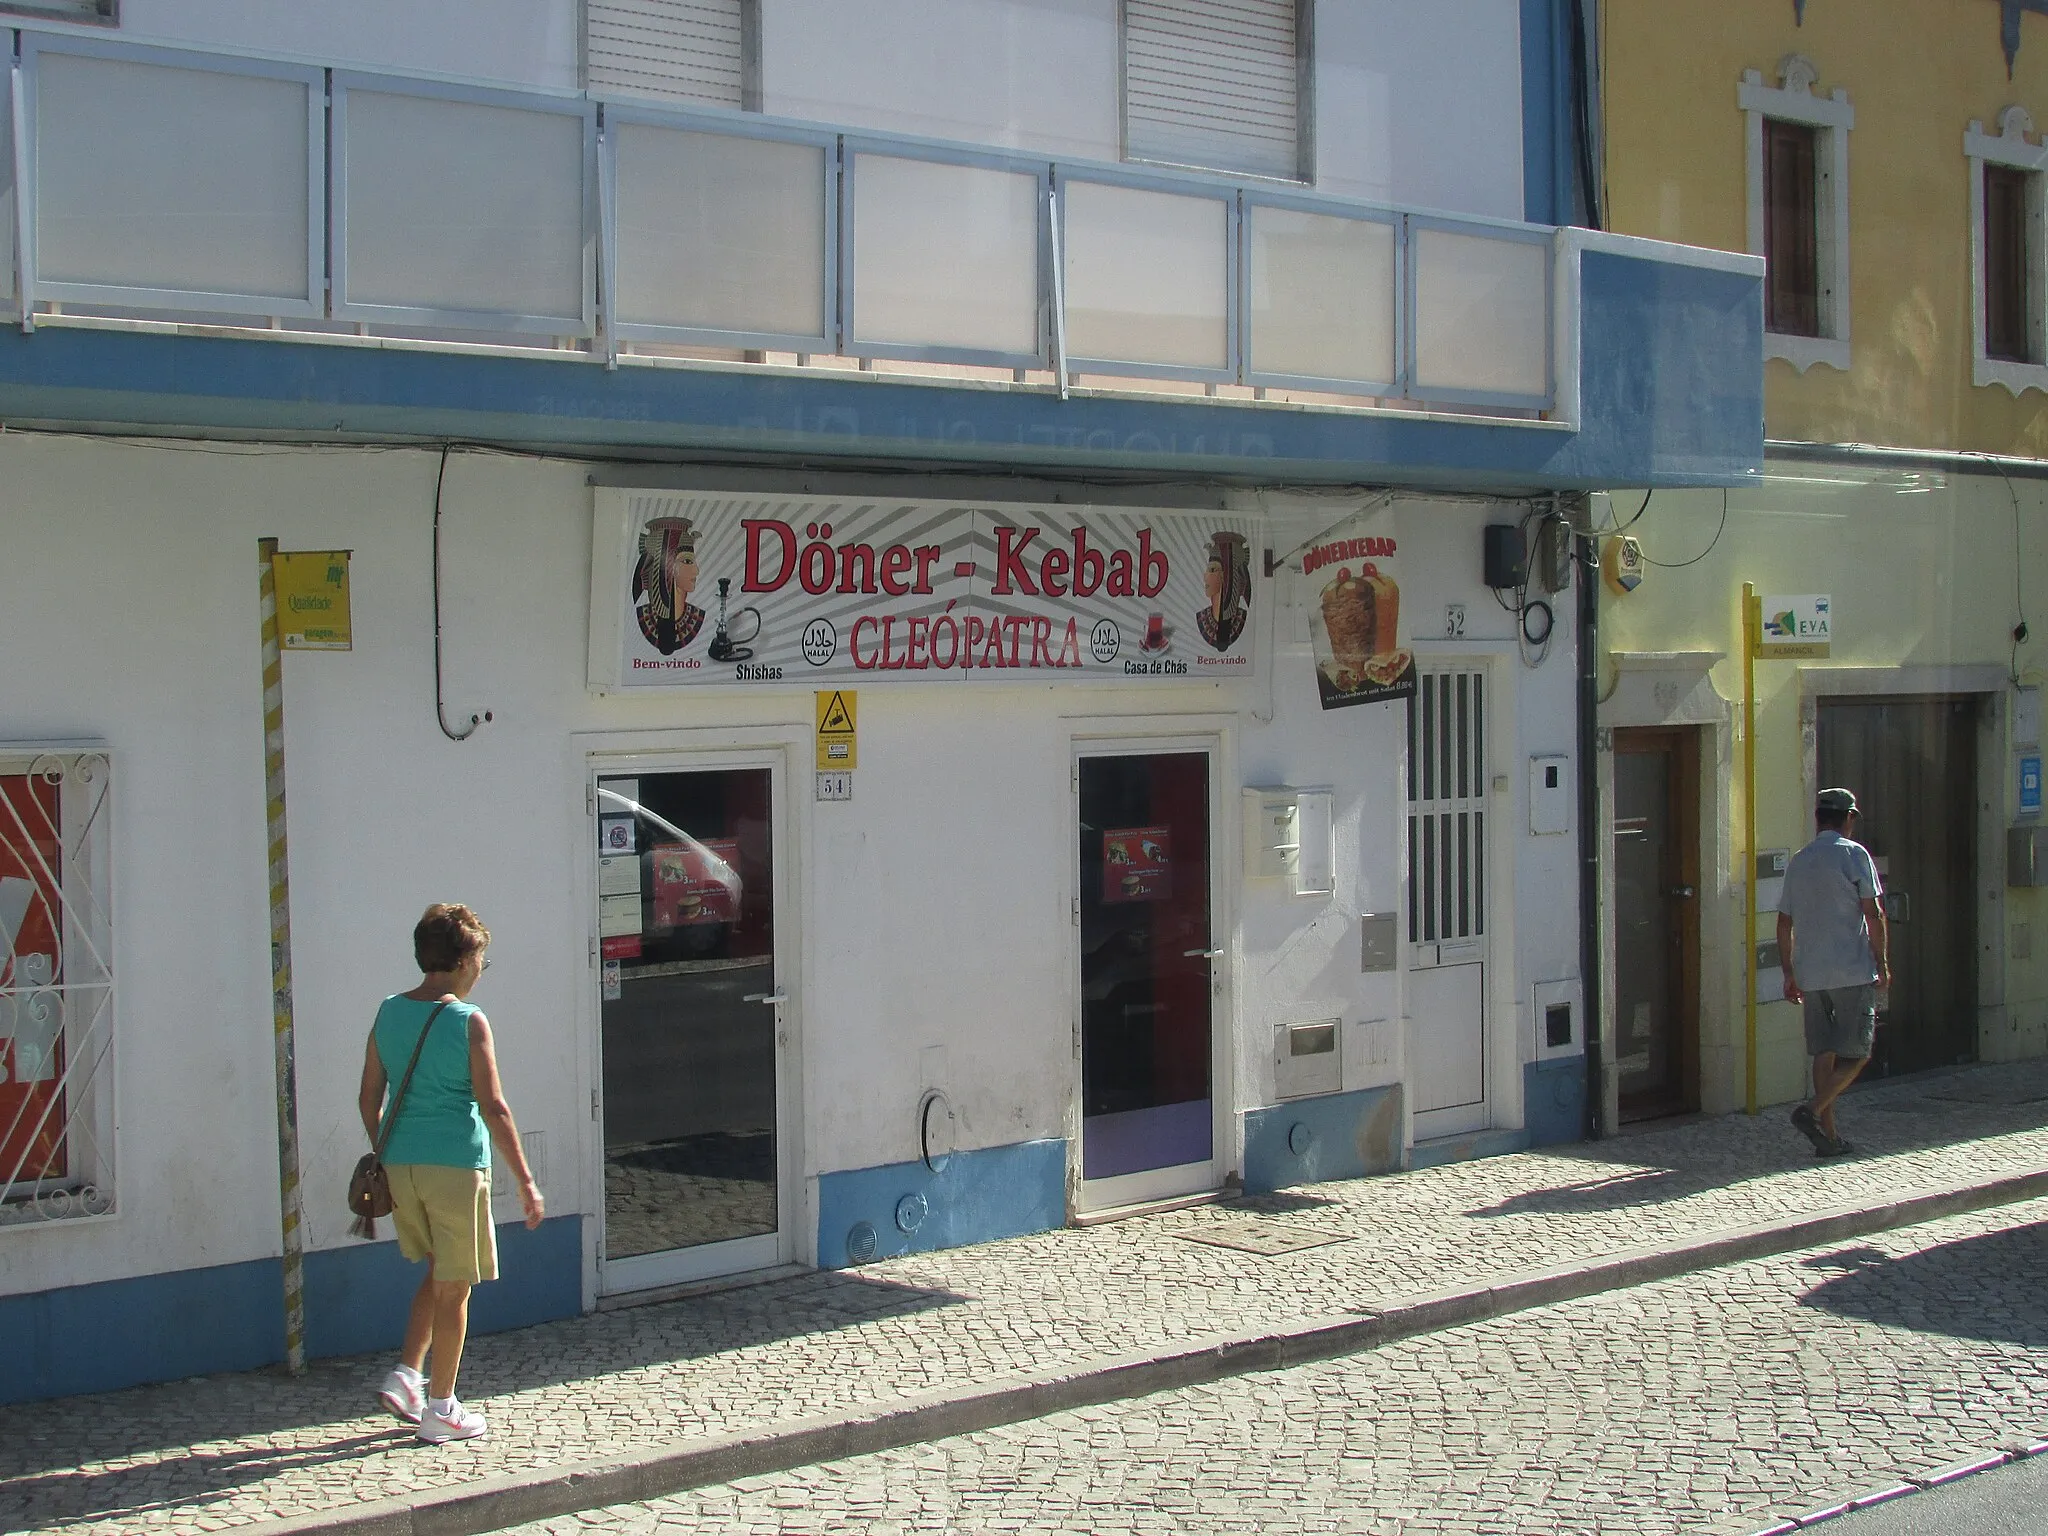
(1205, 954)
(771, 998)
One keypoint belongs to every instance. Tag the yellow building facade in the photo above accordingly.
(1901, 481)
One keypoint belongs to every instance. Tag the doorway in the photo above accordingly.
(1149, 965)
(1657, 921)
(692, 1033)
(1448, 892)
(1912, 763)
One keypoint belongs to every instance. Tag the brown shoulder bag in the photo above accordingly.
(369, 1188)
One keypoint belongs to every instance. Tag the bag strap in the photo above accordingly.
(398, 1099)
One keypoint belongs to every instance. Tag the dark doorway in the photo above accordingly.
(1912, 763)
(1657, 921)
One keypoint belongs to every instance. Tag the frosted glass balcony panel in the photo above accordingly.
(461, 206)
(1148, 276)
(155, 177)
(9, 291)
(944, 255)
(720, 233)
(1322, 296)
(1481, 314)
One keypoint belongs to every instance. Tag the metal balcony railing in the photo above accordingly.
(155, 183)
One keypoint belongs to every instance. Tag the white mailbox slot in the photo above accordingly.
(1307, 1058)
(1289, 834)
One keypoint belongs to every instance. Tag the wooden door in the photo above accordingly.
(1912, 763)
(1656, 921)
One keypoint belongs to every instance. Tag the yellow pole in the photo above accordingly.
(281, 977)
(1752, 619)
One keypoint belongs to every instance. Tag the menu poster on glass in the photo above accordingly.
(1136, 864)
(696, 883)
(1352, 583)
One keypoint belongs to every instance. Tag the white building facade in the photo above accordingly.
(923, 566)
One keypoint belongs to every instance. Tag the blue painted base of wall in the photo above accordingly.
(230, 1317)
(995, 1192)
(1333, 1136)
(1554, 1100)
(1462, 1149)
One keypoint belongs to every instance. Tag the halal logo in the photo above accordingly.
(821, 642)
(1104, 640)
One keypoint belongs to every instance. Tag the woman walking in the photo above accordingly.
(438, 1159)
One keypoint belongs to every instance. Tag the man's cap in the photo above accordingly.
(1835, 800)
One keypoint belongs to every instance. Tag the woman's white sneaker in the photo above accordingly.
(450, 1420)
(404, 1393)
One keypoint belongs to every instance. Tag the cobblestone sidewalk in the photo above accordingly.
(1715, 1405)
(223, 1451)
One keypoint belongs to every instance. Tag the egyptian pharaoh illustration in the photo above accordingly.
(1228, 581)
(666, 574)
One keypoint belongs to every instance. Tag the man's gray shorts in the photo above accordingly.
(1841, 1020)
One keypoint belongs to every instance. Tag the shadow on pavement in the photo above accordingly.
(28, 1502)
(1654, 1164)
(1983, 1288)
(180, 1418)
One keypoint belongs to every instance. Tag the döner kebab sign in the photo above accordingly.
(1350, 578)
(692, 589)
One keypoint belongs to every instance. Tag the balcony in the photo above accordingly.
(157, 189)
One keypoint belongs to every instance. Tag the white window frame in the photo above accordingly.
(1831, 118)
(1304, 173)
(2010, 147)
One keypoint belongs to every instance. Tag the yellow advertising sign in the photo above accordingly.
(312, 599)
(836, 716)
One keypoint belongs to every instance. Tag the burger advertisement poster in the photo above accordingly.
(698, 589)
(1351, 580)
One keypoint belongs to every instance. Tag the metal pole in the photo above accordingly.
(281, 977)
(1750, 621)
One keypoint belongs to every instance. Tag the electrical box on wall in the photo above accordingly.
(1306, 1059)
(1290, 834)
(2026, 856)
(1550, 795)
(1506, 561)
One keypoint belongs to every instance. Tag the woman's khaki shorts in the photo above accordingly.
(445, 1214)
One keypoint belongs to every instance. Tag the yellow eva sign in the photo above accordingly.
(312, 599)
(836, 716)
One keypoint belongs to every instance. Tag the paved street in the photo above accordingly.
(223, 1451)
(1716, 1403)
(2010, 1501)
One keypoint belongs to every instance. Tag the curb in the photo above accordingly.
(491, 1504)
(1905, 1487)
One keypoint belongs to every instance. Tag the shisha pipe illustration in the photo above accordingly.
(723, 647)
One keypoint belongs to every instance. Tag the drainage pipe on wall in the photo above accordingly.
(1588, 636)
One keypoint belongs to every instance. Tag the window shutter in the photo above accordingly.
(2005, 264)
(1791, 232)
(1214, 84)
(681, 50)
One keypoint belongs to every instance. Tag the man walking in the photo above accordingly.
(1830, 904)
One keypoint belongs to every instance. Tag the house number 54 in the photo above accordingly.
(1454, 620)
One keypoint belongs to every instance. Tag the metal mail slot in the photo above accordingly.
(1307, 1058)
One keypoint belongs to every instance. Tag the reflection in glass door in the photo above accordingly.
(1147, 963)
(689, 1023)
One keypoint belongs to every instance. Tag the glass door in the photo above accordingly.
(690, 1024)
(1148, 969)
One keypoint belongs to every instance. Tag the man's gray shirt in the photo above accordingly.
(1826, 884)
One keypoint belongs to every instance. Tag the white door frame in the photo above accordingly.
(1492, 950)
(778, 750)
(1144, 736)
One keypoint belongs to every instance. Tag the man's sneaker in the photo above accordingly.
(454, 1422)
(404, 1393)
(1804, 1122)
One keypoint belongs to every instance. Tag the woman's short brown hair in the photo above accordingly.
(447, 935)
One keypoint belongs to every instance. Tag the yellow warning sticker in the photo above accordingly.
(837, 712)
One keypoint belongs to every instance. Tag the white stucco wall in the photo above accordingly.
(932, 911)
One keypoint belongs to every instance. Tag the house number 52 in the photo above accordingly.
(1454, 621)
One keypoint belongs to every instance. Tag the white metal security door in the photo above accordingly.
(1447, 896)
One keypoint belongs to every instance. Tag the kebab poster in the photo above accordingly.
(1351, 583)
